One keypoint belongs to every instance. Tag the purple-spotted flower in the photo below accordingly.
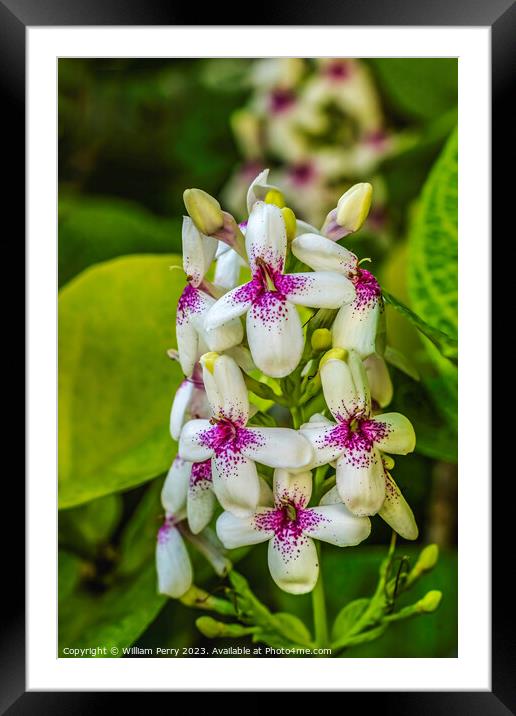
(274, 330)
(190, 402)
(290, 526)
(172, 560)
(231, 445)
(358, 324)
(356, 438)
(189, 486)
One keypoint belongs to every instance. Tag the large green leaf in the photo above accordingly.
(418, 87)
(115, 380)
(94, 229)
(432, 277)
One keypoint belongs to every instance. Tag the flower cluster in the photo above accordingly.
(329, 371)
(320, 123)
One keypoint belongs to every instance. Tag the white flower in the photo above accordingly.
(172, 561)
(231, 445)
(290, 527)
(357, 323)
(198, 252)
(380, 383)
(274, 330)
(227, 268)
(356, 439)
(193, 338)
(395, 510)
(189, 486)
(190, 402)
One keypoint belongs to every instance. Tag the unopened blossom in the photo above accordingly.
(189, 486)
(358, 324)
(274, 330)
(350, 213)
(233, 447)
(172, 561)
(190, 402)
(356, 438)
(291, 526)
(395, 511)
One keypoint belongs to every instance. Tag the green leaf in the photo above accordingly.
(114, 620)
(69, 573)
(115, 380)
(418, 87)
(348, 617)
(138, 539)
(92, 230)
(446, 345)
(292, 628)
(91, 524)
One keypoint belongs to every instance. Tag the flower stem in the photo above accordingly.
(319, 609)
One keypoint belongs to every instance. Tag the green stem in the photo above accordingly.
(319, 609)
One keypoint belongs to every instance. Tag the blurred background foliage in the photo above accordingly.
(133, 134)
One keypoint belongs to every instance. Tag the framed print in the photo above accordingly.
(258, 381)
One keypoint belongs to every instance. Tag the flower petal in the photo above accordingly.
(187, 346)
(337, 525)
(361, 481)
(379, 379)
(294, 564)
(321, 289)
(231, 305)
(236, 483)
(198, 251)
(345, 386)
(266, 236)
(397, 512)
(191, 444)
(398, 437)
(175, 487)
(278, 447)
(294, 486)
(322, 254)
(236, 532)
(258, 189)
(355, 327)
(200, 504)
(179, 409)
(226, 389)
(227, 269)
(325, 448)
(275, 335)
(172, 562)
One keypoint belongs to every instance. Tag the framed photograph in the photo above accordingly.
(258, 358)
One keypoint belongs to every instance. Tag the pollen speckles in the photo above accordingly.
(227, 438)
(189, 302)
(367, 290)
(165, 530)
(356, 438)
(288, 521)
(200, 477)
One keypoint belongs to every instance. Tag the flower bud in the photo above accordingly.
(204, 210)
(430, 602)
(428, 558)
(353, 206)
(274, 196)
(321, 339)
(290, 223)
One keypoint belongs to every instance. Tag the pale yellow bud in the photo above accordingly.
(290, 223)
(274, 196)
(430, 601)
(333, 354)
(204, 210)
(321, 339)
(353, 206)
(208, 361)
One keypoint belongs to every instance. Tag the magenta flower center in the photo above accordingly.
(356, 435)
(227, 437)
(201, 472)
(367, 288)
(280, 100)
(288, 520)
(189, 302)
(302, 173)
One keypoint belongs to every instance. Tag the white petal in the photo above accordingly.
(275, 335)
(231, 305)
(361, 481)
(397, 512)
(236, 532)
(178, 414)
(278, 447)
(266, 498)
(296, 487)
(398, 435)
(227, 270)
(236, 483)
(337, 525)
(321, 289)
(317, 420)
(187, 346)
(200, 505)
(379, 378)
(345, 386)
(355, 328)
(242, 357)
(226, 390)
(325, 449)
(258, 189)
(172, 563)
(175, 487)
(191, 444)
(198, 251)
(266, 236)
(331, 497)
(294, 564)
(322, 254)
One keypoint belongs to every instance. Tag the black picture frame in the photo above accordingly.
(15, 16)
